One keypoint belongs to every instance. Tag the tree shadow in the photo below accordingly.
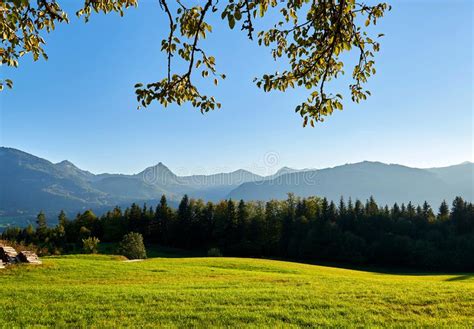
(390, 270)
(461, 277)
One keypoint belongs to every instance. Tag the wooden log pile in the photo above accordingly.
(8, 255)
(28, 257)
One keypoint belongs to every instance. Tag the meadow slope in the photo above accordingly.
(104, 291)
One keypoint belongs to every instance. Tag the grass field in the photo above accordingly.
(104, 291)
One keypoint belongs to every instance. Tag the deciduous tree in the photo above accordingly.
(308, 36)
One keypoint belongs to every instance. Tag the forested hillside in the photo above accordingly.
(309, 229)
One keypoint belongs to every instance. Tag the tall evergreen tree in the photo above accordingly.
(443, 212)
(242, 219)
(41, 222)
(411, 211)
(332, 212)
(62, 219)
(427, 212)
(395, 212)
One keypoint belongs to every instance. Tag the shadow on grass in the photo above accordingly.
(154, 251)
(461, 277)
(159, 251)
(391, 270)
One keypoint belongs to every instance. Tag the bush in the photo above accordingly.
(214, 252)
(90, 245)
(132, 246)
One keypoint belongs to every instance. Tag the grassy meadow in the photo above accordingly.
(105, 291)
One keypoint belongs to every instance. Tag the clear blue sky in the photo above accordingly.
(80, 104)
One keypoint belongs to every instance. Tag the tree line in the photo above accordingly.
(309, 229)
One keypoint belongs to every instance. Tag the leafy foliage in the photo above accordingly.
(132, 246)
(214, 252)
(90, 245)
(308, 36)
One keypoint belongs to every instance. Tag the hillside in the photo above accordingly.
(104, 291)
(30, 183)
(387, 183)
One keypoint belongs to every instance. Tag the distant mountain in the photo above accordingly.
(387, 183)
(29, 184)
(459, 177)
(217, 186)
(284, 171)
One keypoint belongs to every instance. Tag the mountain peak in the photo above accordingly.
(66, 163)
(161, 167)
(285, 170)
(158, 174)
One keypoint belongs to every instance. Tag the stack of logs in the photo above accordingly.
(8, 255)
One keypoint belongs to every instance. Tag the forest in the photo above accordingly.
(309, 229)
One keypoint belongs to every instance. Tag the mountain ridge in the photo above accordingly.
(31, 183)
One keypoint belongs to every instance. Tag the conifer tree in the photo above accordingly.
(242, 219)
(443, 213)
(62, 218)
(427, 212)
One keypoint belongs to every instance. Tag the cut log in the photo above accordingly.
(8, 255)
(29, 257)
(1, 264)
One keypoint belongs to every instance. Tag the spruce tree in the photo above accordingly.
(443, 213)
(62, 219)
(242, 219)
(427, 212)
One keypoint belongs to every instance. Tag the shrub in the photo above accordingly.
(90, 245)
(214, 252)
(132, 246)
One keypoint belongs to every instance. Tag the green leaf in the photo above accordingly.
(231, 22)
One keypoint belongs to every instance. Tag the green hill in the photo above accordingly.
(104, 291)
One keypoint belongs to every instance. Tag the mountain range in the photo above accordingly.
(30, 184)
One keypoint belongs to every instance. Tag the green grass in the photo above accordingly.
(153, 251)
(104, 291)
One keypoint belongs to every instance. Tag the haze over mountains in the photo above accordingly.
(30, 183)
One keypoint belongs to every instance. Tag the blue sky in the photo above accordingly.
(80, 104)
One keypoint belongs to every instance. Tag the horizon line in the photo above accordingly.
(247, 168)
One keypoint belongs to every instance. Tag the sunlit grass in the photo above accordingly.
(104, 291)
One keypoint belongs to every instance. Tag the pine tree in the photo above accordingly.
(60, 231)
(371, 207)
(41, 228)
(161, 225)
(395, 212)
(427, 212)
(324, 214)
(332, 212)
(62, 219)
(41, 221)
(273, 227)
(242, 219)
(184, 211)
(459, 215)
(342, 207)
(443, 213)
(411, 212)
(183, 226)
(358, 209)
